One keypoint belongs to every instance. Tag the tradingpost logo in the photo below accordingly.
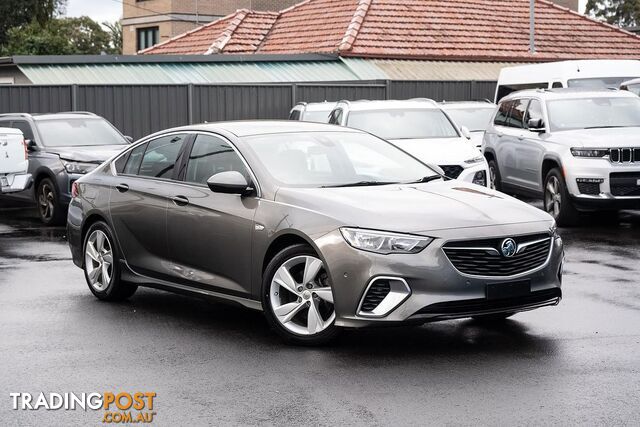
(118, 408)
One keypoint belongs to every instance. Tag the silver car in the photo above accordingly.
(320, 227)
(576, 149)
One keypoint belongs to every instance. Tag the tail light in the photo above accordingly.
(26, 149)
(75, 189)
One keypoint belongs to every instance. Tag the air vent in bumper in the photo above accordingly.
(625, 184)
(452, 171)
(382, 296)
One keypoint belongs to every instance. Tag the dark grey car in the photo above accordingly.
(62, 148)
(318, 226)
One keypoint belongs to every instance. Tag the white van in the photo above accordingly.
(596, 74)
(13, 161)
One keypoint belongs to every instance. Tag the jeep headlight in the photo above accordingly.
(78, 167)
(383, 242)
(589, 152)
(474, 160)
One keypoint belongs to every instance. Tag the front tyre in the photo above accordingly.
(101, 266)
(557, 201)
(297, 297)
(494, 176)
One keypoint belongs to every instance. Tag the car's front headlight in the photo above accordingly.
(474, 160)
(382, 242)
(589, 152)
(78, 167)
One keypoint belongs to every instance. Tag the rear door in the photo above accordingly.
(138, 202)
(531, 150)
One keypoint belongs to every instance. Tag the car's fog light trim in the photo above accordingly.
(398, 293)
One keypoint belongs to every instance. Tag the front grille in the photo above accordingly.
(480, 305)
(452, 171)
(376, 293)
(590, 188)
(484, 257)
(625, 184)
(624, 155)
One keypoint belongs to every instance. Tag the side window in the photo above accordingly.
(120, 162)
(556, 85)
(160, 158)
(133, 162)
(534, 111)
(24, 127)
(336, 117)
(295, 115)
(516, 116)
(503, 113)
(211, 155)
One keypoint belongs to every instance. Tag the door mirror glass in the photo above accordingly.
(465, 132)
(230, 182)
(536, 125)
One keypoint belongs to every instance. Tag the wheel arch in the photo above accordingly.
(549, 163)
(282, 241)
(489, 154)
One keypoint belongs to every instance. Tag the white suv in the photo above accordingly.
(421, 128)
(578, 150)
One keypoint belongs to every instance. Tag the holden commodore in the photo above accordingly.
(318, 226)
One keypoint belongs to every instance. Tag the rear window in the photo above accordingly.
(416, 123)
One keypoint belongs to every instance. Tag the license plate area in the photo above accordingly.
(508, 289)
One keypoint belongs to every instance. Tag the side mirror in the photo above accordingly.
(31, 145)
(230, 182)
(128, 138)
(536, 125)
(465, 132)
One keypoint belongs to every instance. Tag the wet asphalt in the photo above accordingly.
(209, 363)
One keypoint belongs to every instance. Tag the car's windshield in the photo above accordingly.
(414, 123)
(320, 159)
(316, 116)
(474, 119)
(597, 112)
(598, 82)
(77, 132)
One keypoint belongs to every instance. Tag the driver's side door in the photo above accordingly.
(209, 234)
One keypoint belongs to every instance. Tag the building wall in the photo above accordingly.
(571, 4)
(174, 17)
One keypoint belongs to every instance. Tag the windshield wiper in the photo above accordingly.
(360, 184)
(426, 179)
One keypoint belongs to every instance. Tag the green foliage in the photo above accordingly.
(63, 36)
(14, 13)
(618, 12)
(115, 32)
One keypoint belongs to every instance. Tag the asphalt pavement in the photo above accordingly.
(209, 363)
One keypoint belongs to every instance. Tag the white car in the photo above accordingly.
(421, 128)
(13, 161)
(317, 112)
(475, 116)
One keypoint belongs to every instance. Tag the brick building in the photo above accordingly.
(148, 22)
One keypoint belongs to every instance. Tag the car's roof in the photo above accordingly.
(364, 105)
(242, 128)
(467, 104)
(568, 93)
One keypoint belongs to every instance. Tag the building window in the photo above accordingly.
(148, 37)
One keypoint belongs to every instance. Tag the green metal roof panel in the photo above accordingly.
(181, 73)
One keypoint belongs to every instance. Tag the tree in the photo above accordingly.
(115, 32)
(63, 36)
(624, 13)
(15, 13)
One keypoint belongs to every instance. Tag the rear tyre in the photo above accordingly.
(557, 201)
(494, 176)
(101, 266)
(49, 208)
(297, 297)
(492, 318)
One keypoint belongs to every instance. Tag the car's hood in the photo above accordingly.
(599, 138)
(91, 154)
(439, 151)
(437, 205)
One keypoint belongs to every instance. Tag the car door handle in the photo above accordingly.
(520, 137)
(122, 188)
(180, 200)
(499, 135)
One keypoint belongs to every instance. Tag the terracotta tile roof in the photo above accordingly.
(426, 29)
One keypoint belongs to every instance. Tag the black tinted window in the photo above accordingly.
(24, 127)
(516, 115)
(295, 115)
(120, 163)
(160, 157)
(504, 90)
(211, 155)
(503, 113)
(134, 160)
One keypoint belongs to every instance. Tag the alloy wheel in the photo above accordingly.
(46, 201)
(553, 197)
(301, 296)
(98, 260)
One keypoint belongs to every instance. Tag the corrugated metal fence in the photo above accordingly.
(138, 110)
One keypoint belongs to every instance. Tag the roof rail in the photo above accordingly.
(431, 101)
(15, 114)
(85, 113)
(346, 101)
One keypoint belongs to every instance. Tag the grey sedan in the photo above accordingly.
(319, 227)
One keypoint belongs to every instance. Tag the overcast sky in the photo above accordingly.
(111, 10)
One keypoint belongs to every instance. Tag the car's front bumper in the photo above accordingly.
(471, 173)
(435, 285)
